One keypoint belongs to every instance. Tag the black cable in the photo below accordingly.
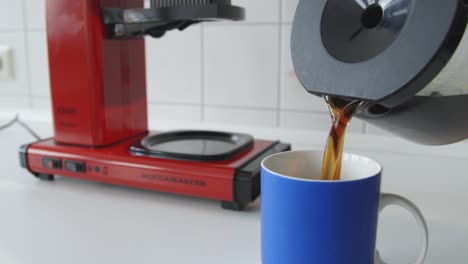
(17, 120)
(9, 124)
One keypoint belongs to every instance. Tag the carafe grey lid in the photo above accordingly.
(382, 51)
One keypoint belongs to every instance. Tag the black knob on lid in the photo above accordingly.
(355, 31)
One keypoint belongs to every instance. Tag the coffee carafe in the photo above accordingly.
(405, 59)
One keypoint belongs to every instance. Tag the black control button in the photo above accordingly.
(51, 163)
(75, 166)
(97, 169)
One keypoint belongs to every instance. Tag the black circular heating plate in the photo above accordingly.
(193, 145)
(346, 48)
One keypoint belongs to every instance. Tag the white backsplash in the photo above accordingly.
(228, 72)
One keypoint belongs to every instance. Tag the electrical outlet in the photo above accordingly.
(6, 63)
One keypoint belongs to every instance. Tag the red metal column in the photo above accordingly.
(98, 85)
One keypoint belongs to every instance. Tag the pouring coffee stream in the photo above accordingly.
(341, 111)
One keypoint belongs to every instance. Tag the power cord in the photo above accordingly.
(17, 120)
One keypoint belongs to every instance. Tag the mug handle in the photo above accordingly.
(387, 199)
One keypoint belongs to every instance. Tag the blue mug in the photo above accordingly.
(309, 221)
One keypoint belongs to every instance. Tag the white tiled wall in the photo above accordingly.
(228, 72)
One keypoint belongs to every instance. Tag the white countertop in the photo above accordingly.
(72, 221)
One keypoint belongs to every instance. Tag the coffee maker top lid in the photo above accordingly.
(383, 51)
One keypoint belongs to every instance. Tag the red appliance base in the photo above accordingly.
(234, 182)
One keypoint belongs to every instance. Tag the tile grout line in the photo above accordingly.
(236, 107)
(279, 68)
(202, 73)
(219, 106)
(26, 53)
(15, 30)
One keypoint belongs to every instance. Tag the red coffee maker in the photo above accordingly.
(97, 73)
